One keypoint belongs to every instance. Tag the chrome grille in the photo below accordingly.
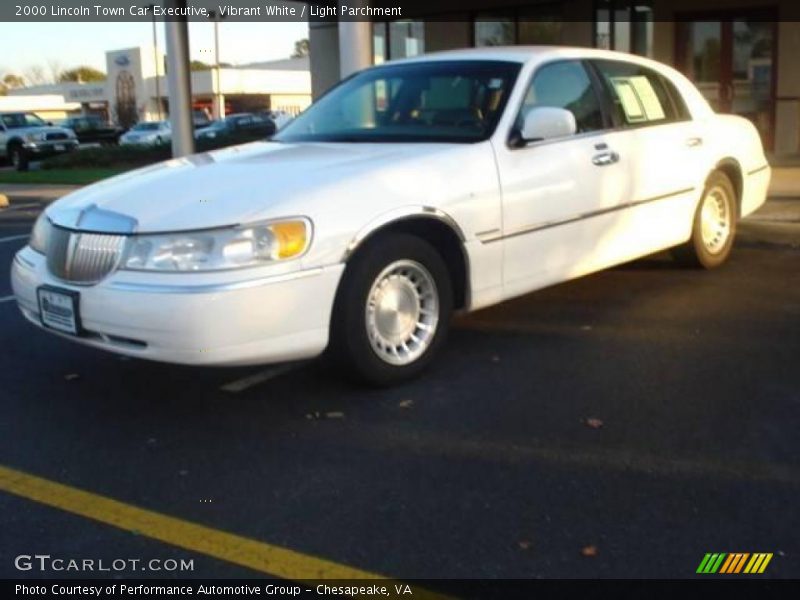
(82, 257)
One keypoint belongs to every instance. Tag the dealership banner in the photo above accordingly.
(297, 10)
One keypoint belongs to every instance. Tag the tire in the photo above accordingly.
(713, 226)
(18, 157)
(392, 310)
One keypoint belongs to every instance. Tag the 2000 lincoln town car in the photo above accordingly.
(446, 182)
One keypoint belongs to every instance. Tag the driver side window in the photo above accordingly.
(565, 84)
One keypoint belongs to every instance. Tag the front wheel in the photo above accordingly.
(392, 311)
(713, 227)
(19, 158)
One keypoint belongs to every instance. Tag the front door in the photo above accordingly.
(731, 59)
(554, 189)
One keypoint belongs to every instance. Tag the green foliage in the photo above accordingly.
(83, 74)
(129, 157)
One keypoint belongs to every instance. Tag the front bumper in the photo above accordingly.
(42, 149)
(192, 318)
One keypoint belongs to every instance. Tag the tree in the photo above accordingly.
(36, 75)
(12, 81)
(301, 48)
(82, 74)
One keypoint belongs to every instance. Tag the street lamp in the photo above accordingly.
(152, 8)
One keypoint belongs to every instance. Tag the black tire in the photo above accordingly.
(697, 252)
(351, 348)
(18, 157)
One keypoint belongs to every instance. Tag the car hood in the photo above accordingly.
(21, 131)
(255, 181)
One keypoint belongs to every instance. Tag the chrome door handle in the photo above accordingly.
(693, 142)
(605, 158)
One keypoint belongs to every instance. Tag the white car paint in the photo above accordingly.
(522, 215)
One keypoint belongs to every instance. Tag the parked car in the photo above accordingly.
(280, 118)
(200, 119)
(238, 128)
(91, 129)
(360, 228)
(149, 133)
(25, 137)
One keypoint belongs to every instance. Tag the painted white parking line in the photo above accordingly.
(15, 237)
(247, 382)
(7, 299)
(13, 207)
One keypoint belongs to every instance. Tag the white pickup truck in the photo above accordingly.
(25, 137)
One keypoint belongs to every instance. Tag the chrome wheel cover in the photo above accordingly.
(402, 312)
(715, 220)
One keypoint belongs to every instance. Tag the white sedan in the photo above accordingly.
(147, 133)
(447, 182)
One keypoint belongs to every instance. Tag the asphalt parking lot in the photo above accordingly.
(621, 425)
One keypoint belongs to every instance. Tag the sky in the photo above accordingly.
(67, 45)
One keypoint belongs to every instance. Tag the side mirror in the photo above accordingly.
(50, 123)
(547, 123)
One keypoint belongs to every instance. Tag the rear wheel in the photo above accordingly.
(392, 311)
(714, 225)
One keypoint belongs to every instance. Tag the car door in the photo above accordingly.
(556, 192)
(654, 125)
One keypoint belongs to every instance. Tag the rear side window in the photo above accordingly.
(640, 96)
(565, 84)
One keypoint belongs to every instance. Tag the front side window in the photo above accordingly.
(16, 120)
(446, 101)
(565, 84)
(639, 94)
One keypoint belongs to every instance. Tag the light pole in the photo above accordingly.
(218, 103)
(155, 61)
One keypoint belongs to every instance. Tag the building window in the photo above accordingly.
(406, 39)
(625, 26)
(494, 30)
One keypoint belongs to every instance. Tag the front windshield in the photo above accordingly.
(16, 120)
(147, 126)
(443, 101)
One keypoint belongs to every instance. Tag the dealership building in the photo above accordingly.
(136, 88)
(742, 54)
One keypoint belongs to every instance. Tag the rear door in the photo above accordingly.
(654, 125)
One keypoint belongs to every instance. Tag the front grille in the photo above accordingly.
(56, 136)
(82, 257)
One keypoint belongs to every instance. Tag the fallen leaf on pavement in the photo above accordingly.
(405, 403)
(334, 415)
(524, 545)
(495, 358)
(593, 423)
(589, 551)
(71, 376)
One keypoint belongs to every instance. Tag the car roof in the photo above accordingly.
(525, 54)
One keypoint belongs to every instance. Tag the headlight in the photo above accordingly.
(34, 137)
(40, 233)
(213, 250)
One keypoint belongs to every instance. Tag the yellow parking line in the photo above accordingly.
(260, 556)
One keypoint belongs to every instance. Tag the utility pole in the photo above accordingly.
(156, 61)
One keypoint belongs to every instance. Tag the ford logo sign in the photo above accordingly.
(122, 60)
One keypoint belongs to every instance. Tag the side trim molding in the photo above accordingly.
(486, 239)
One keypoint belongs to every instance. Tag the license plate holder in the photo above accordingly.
(58, 309)
(59, 147)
